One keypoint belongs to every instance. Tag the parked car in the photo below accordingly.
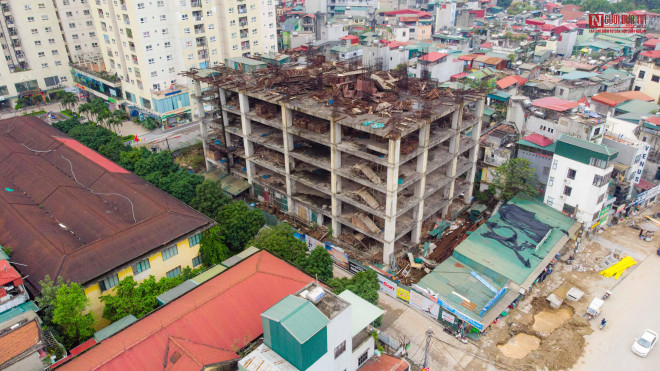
(643, 344)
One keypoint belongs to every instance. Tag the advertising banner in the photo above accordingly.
(448, 317)
(354, 266)
(424, 304)
(403, 294)
(338, 255)
(313, 243)
(387, 286)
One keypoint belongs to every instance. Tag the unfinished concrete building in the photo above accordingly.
(372, 155)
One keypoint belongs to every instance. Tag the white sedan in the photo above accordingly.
(643, 345)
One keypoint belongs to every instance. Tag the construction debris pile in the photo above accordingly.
(342, 88)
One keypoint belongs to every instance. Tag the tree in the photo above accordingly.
(209, 198)
(363, 284)
(504, 3)
(46, 299)
(160, 164)
(91, 135)
(280, 241)
(113, 149)
(67, 100)
(181, 184)
(20, 103)
(319, 264)
(239, 224)
(85, 109)
(515, 176)
(131, 298)
(212, 247)
(66, 125)
(75, 326)
(128, 160)
(37, 100)
(150, 123)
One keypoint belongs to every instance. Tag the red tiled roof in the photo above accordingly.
(584, 101)
(487, 45)
(9, 274)
(652, 54)
(93, 156)
(552, 5)
(74, 352)
(631, 94)
(555, 104)
(566, 27)
(651, 43)
(642, 12)
(468, 57)
(419, 13)
(538, 139)
(396, 44)
(205, 326)
(460, 75)
(18, 341)
(644, 184)
(478, 13)
(506, 82)
(655, 120)
(385, 362)
(609, 99)
(547, 27)
(432, 57)
(521, 80)
(309, 15)
(534, 22)
(349, 37)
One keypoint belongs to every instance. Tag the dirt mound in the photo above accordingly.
(545, 322)
(520, 345)
(562, 349)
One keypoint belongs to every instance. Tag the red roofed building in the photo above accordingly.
(205, 327)
(651, 44)
(433, 57)
(510, 84)
(534, 22)
(12, 290)
(555, 104)
(350, 39)
(439, 66)
(571, 12)
(486, 45)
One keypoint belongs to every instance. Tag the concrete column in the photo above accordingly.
(198, 107)
(393, 161)
(420, 188)
(287, 122)
(246, 127)
(454, 142)
(474, 152)
(225, 117)
(204, 131)
(335, 179)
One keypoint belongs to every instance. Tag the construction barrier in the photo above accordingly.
(617, 269)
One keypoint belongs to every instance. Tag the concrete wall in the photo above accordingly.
(576, 93)
(566, 44)
(540, 163)
(584, 195)
(644, 83)
(158, 268)
(445, 15)
(367, 346)
(339, 330)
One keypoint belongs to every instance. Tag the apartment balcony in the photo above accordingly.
(5, 8)
(199, 30)
(201, 43)
(245, 47)
(106, 77)
(196, 4)
(245, 35)
(198, 18)
(174, 89)
(123, 7)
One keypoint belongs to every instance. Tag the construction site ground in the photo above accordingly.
(535, 336)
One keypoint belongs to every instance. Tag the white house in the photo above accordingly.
(578, 179)
(440, 66)
(315, 330)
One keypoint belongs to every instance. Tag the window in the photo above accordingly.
(554, 165)
(194, 240)
(546, 170)
(597, 131)
(151, 61)
(141, 266)
(568, 190)
(35, 31)
(170, 57)
(212, 38)
(185, 17)
(197, 261)
(140, 6)
(598, 163)
(571, 174)
(174, 272)
(51, 81)
(163, 17)
(596, 214)
(109, 282)
(551, 181)
(167, 44)
(186, 30)
(4, 90)
(340, 349)
(169, 252)
(655, 78)
(37, 43)
(550, 201)
(30, 19)
(600, 198)
(44, 17)
(599, 181)
(149, 48)
(41, 54)
(641, 74)
(363, 358)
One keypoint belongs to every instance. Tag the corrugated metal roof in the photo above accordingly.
(638, 106)
(232, 261)
(114, 328)
(248, 252)
(208, 274)
(63, 229)
(582, 151)
(555, 104)
(298, 316)
(17, 310)
(176, 292)
(362, 311)
(204, 325)
(265, 359)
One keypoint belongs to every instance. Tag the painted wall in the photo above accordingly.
(644, 83)
(367, 346)
(584, 194)
(158, 268)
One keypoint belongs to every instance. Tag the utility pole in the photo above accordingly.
(428, 348)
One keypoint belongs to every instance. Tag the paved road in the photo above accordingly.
(633, 307)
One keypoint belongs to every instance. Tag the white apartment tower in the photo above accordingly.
(79, 31)
(34, 54)
(146, 44)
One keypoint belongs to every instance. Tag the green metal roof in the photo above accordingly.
(114, 328)
(248, 252)
(344, 49)
(208, 274)
(363, 312)
(550, 148)
(577, 75)
(17, 311)
(583, 151)
(298, 316)
(637, 106)
(3, 256)
(567, 69)
(176, 291)
(633, 117)
(501, 259)
(611, 72)
(488, 111)
(499, 95)
(339, 8)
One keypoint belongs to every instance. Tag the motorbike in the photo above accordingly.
(603, 323)
(607, 294)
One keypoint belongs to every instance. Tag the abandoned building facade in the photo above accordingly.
(359, 152)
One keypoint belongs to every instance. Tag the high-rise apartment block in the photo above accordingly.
(128, 52)
(34, 53)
